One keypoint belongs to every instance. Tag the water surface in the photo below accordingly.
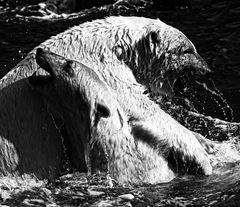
(214, 29)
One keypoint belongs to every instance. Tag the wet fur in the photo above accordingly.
(122, 51)
(135, 151)
(127, 159)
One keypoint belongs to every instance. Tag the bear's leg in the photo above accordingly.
(184, 153)
(208, 145)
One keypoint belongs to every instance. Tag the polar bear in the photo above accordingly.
(157, 53)
(131, 55)
(136, 151)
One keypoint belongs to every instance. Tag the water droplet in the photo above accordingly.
(217, 97)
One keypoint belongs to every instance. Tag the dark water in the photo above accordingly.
(214, 28)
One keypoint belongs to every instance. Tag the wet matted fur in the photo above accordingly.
(129, 54)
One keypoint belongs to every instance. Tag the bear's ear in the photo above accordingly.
(154, 37)
(154, 41)
(103, 110)
(68, 68)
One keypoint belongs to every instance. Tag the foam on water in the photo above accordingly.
(13, 184)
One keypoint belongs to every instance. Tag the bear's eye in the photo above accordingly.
(68, 68)
(188, 51)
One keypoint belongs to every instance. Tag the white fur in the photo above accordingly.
(119, 49)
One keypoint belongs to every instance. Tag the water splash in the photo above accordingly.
(217, 97)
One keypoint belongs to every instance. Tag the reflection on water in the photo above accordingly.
(18, 35)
